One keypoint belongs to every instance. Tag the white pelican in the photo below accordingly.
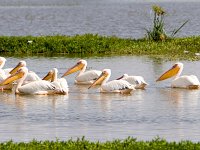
(3, 72)
(185, 81)
(41, 87)
(83, 77)
(116, 86)
(60, 83)
(31, 76)
(138, 81)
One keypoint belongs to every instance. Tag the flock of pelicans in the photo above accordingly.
(27, 82)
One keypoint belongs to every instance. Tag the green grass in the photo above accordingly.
(80, 144)
(92, 45)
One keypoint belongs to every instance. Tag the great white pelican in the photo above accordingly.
(137, 81)
(83, 77)
(31, 76)
(185, 81)
(52, 77)
(116, 86)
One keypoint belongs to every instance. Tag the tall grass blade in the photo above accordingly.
(177, 30)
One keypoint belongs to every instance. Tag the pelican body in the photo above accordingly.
(114, 86)
(3, 72)
(83, 77)
(185, 81)
(137, 81)
(41, 87)
(60, 83)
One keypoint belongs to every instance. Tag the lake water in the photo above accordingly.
(122, 18)
(157, 111)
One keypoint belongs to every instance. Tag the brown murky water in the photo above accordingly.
(156, 111)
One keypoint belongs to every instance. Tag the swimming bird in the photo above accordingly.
(185, 81)
(31, 76)
(115, 86)
(83, 77)
(41, 87)
(3, 72)
(137, 81)
(52, 76)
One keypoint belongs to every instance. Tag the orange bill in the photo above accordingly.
(49, 76)
(12, 78)
(75, 68)
(170, 73)
(99, 80)
(14, 70)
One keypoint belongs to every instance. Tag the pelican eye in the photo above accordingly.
(175, 66)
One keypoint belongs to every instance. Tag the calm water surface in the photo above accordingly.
(158, 110)
(123, 18)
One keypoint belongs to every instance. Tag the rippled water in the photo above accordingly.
(158, 110)
(126, 18)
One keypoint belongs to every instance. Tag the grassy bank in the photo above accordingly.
(79, 144)
(88, 44)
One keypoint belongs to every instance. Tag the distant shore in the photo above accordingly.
(187, 48)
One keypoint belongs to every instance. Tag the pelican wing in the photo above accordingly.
(135, 80)
(37, 87)
(116, 85)
(88, 76)
(61, 85)
(185, 81)
(32, 76)
(2, 75)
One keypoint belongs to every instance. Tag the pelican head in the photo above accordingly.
(15, 76)
(49, 76)
(2, 62)
(123, 76)
(104, 75)
(22, 63)
(79, 66)
(175, 70)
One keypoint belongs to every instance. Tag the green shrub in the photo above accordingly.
(158, 32)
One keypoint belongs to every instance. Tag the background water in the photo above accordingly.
(122, 18)
(157, 111)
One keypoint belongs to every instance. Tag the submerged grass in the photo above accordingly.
(129, 143)
(89, 44)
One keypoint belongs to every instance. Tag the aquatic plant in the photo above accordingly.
(82, 143)
(158, 32)
(95, 45)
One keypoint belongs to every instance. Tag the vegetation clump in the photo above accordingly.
(79, 144)
(158, 32)
(96, 45)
